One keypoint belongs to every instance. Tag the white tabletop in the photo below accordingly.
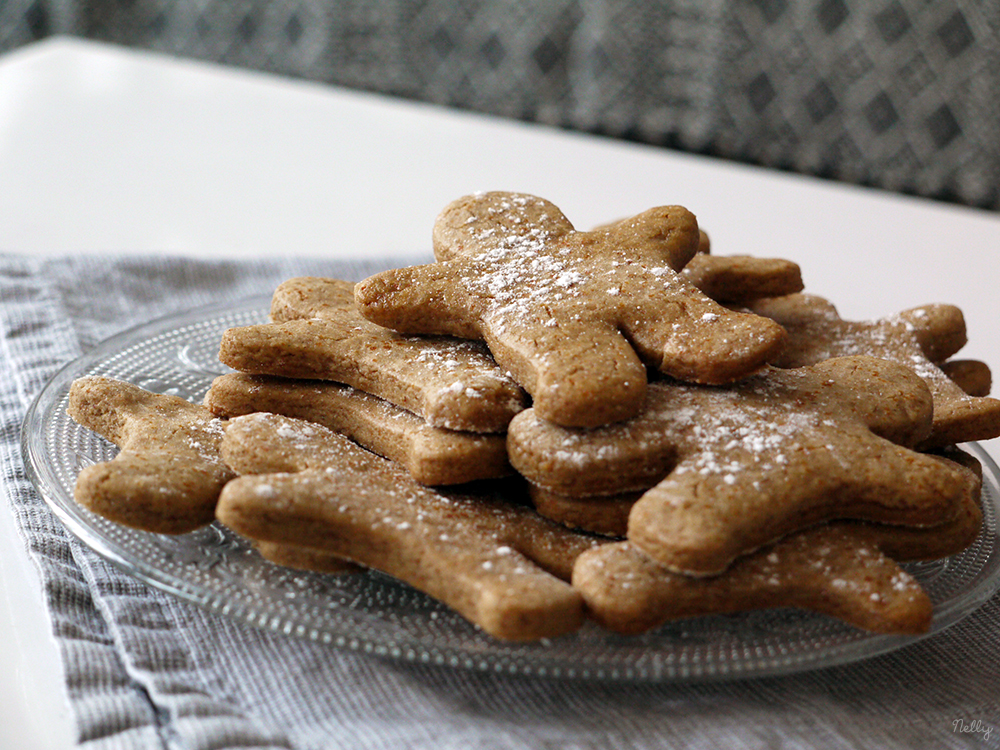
(103, 149)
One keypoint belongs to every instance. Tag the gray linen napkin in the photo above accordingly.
(146, 670)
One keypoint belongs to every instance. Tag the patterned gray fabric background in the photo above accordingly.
(899, 94)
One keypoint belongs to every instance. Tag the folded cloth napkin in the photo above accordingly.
(146, 670)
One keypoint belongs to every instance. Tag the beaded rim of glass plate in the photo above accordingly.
(372, 613)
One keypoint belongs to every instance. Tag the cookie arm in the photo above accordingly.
(939, 329)
(419, 299)
(668, 233)
(971, 375)
(738, 279)
(312, 297)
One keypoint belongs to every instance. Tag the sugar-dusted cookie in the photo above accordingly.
(450, 383)
(826, 569)
(168, 473)
(432, 455)
(572, 315)
(917, 338)
(846, 569)
(749, 463)
(496, 563)
(607, 515)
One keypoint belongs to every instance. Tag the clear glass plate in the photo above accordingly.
(373, 613)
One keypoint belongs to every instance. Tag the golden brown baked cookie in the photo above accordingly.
(737, 279)
(751, 462)
(825, 569)
(496, 563)
(846, 569)
(432, 455)
(572, 315)
(450, 383)
(917, 338)
(607, 515)
(168, 473)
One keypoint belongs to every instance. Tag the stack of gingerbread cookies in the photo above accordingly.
(547, 425)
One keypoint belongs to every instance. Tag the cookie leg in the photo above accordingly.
(418, 299)
(579, 373)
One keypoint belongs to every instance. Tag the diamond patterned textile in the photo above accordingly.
(897, 94)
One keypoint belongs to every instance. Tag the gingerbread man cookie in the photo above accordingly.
(168, 473)
(846, 569)
(431, 454)
(450, 383)
(749, 463)
(607, 515)
(572, 315)
(826, 569)
(496, 563)
(918, 338)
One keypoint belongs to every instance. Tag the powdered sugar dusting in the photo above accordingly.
(731, 431)
(523, 269)
(204, 437)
